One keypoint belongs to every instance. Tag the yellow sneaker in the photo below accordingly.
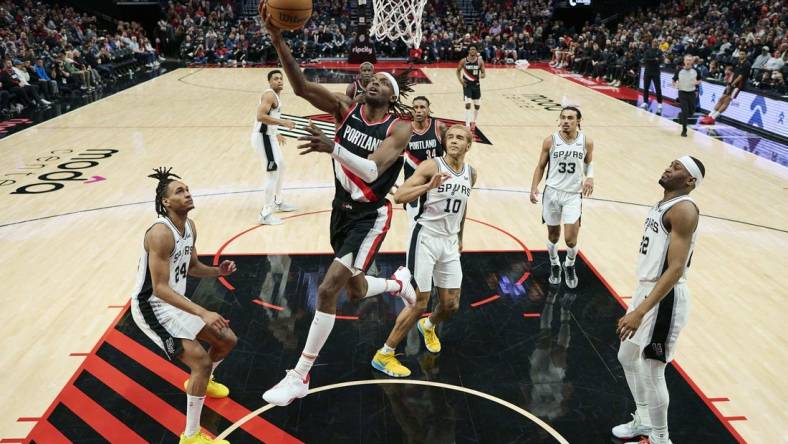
(389, 365)
(201, 438)
(430, 338)
(214, 390)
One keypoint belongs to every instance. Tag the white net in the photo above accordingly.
(398, 19)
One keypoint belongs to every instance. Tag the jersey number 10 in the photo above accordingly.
(452, 206)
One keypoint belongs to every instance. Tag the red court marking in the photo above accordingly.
(675, 364)
(26, 419)
(116, 306)
(267, 305)
(718, 399)
(12, 440)
(155, 407)
(79, 354)
(97, 418)
(494, 297)
(532, 315)
(348, 318)
(47, 433)
(43, 430)
(231, 410)
(735, 418)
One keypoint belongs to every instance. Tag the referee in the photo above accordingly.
(686, 81)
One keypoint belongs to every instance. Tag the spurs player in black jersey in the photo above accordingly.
(425, 143)
(357, 89)
(469, 71)
(161, 309)
(660, 305)
(367, 159)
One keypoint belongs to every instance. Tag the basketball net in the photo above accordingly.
(398, 19)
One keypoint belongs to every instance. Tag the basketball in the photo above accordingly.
(288, 14)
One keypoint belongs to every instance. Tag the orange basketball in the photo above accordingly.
(288, 14)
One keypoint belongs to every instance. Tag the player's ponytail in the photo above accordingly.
(164, 176)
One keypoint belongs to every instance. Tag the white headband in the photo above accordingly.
(693, 169)
(393, 82)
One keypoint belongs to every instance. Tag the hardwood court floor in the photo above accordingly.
(69, 253)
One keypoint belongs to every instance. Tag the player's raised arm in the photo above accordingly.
(425, 178)
(316, 94)
(544, 156)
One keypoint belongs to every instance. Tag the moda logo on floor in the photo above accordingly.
(62, 167)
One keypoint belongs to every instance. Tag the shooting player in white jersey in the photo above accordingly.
(266, 140)
(160, 308)
(660, 305)
(567, 155)
(443, 186)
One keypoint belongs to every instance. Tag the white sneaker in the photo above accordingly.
(285, 207)
(632, 429)
(406, 292)
(644, 105)
(659, 109)
(288, 389)
(649, 440)
(268, 219)
(45, 101)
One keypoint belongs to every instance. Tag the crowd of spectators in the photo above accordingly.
(49, 51)
(211, 32)
(714, 32)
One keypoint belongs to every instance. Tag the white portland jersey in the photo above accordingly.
(565, 167)
(275, 112)
(652, 260)
(442, 208)
(179, 264)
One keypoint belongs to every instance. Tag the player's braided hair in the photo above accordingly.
(405, 84)
(165, 177)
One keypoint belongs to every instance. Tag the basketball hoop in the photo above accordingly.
(398, 19)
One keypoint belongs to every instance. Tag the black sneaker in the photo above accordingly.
(555, 275)
(571, 276)
(684, 132)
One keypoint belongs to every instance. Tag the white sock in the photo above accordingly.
(193, 411)
(475, 114)
(376, 286)
(714, 114)
(318, 334)
(571, 254)
(657, 398)
(552, 249)
(272, 178)
(468, 115)
(428, 324)
(629, 357)
(387, 350)
(214, 365)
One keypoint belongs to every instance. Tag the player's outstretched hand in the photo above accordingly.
(588, 187)
(289, 124)
(227, 268)
(438, 179)
(316, 141)
(215, 320)
(273, 31)
(534, 197)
